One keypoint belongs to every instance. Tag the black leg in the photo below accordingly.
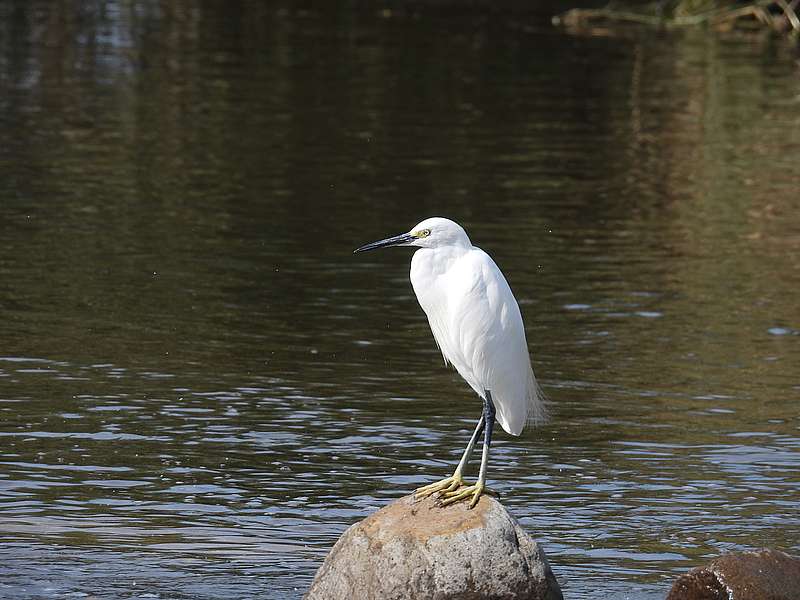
(489, 412)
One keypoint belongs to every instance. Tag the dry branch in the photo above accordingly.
(785, 17)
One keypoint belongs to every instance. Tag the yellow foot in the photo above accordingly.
(470, 491)
(448, 485)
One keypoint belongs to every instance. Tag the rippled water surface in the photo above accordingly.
(201, 387)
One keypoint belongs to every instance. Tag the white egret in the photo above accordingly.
(477, 324)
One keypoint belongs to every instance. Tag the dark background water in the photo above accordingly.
(201, 387)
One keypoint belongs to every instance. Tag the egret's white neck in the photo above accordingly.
(439, 259)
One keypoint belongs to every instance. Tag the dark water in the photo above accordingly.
(201, 387)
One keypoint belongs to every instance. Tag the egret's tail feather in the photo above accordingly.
(538, 411)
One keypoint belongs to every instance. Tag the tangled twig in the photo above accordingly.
(722, 18)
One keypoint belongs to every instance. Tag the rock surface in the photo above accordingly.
(763, 575)
(414, 549)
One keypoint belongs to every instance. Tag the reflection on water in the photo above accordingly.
(201, 387)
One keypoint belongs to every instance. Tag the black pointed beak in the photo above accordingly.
(397, 240)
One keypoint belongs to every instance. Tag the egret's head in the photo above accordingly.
(430, 233)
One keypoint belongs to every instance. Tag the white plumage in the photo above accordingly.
(476, 321)
(477, 324)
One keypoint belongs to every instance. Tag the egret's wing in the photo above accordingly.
(478, 327)
(487, 331)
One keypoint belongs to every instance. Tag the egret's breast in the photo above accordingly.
(432, 275)
(429, 269)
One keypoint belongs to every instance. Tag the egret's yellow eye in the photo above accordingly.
(423, 233)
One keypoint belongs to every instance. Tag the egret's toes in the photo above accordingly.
(432, 488)
(447, 485)
(470, 491)
(456, 483)
(476, 496)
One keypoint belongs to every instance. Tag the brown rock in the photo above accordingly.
(763, 575)
(418, 550)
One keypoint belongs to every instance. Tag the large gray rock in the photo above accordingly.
(417, 550)
(763, 575)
